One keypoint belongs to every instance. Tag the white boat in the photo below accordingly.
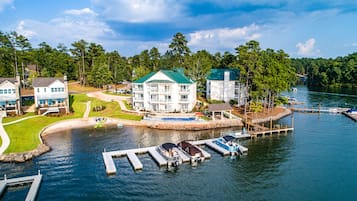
(170, 153)
(227, 143)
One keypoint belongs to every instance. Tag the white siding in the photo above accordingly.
(163, 96)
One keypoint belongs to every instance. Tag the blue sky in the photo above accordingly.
(314, 28)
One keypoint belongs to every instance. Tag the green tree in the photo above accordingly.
(200, 65)
(100, 75)
(79, 51)
(179, 50)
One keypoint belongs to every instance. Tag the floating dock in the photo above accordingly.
(34, 180)
(320, 110)
(160, 160)
(352, 116)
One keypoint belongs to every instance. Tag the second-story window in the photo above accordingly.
(167, 88)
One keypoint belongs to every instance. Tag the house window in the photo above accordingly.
(42, 102)
(5, 91)
(1, 91)
(38, 90)
(13, 91)
(167, 88)
(60, 100)
(184, 107)
(44, 90)
(184, 88)
(184, 97)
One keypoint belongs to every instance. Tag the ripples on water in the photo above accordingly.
(316, 162)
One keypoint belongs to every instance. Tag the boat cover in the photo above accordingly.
(228, 138)
(189, 148)
(168, 146)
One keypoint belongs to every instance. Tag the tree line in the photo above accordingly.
(332, 73)
(265, 72)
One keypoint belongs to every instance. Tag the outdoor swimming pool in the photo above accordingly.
(177, 118)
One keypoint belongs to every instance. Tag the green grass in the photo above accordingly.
(127, 105)
(10, 119)
(24, 135)
(116, 94)
(112, 109)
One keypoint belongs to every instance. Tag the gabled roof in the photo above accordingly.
(218, 74)
(10, 79)
(146, 77)
(176, 75)
(45, 81)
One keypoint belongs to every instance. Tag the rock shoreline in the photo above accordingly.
(90, 122)
(25, 156)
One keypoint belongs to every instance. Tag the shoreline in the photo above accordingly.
(91, 122)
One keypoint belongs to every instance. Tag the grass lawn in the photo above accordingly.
(76, 87)
(112, 109)
(116, 94)
(10, 119)
(24, 135)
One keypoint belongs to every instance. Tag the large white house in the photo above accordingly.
(222, 84)
(164, 91)
(51, 94)
(10, 101)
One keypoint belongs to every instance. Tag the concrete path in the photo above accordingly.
(23, 119)
(4, 137)
(86, 113)
(107, 97)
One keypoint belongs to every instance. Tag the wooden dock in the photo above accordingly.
(161, 161)
(255, 134)
(34, 180)
(320, 110)
(352, 116)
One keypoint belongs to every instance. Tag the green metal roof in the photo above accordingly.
(176, 75)
(143, 79)
(160, 81)
(218, 74)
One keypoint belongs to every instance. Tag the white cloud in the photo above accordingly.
(307, 48)
(84, 11)
(4, 3)
(138, 11)
(223, 38)
(73, 25)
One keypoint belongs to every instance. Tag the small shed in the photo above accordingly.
(220, 108)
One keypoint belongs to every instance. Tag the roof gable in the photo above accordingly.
(7, 84)
(218, 74)
(9, 79)
(45, 81)
(174, 75)
(177, 76)
(143, 79)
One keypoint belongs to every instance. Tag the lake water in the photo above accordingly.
(316, 162)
